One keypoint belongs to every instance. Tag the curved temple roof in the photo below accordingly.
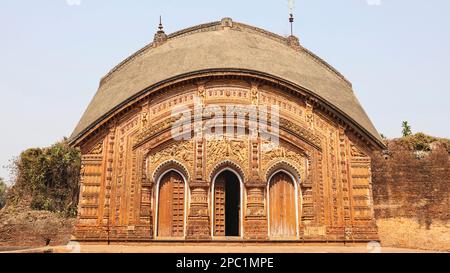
(223, 45)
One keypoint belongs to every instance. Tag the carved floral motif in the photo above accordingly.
(301, 132)
(182, 151)
(280, 153)
(218, 150)
(148, 132)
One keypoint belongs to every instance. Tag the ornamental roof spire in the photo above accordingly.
(160, 36)
(292, 40)
(160, 24)
(291, 4)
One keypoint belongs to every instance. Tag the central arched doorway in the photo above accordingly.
(227, 205)
(171, 206)
(282, 206)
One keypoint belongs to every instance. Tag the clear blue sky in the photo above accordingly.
(54, 52)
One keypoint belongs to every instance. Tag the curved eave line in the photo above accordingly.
(192, 31)
(74, 140)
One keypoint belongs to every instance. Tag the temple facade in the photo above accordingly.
(225, 131)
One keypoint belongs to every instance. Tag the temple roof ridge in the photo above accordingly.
(161, 37)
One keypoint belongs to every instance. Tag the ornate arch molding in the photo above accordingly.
(160, 87)
(283, 166)
(170, 165)
(227, 164)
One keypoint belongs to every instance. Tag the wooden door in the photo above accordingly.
(282, 206)
(171, 206)
(219, 206)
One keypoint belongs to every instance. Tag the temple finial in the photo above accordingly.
(291, 20)
(292, 40)
(291, 15)
(160, 24)
(160, 36)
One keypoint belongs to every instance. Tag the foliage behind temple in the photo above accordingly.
(47, 179)
(422, 142)
(3, 189)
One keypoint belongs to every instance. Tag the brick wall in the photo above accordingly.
(407, 186)
(412, 197)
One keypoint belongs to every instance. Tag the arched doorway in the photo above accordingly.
(171, 205)
(227, 205)
(282, 206)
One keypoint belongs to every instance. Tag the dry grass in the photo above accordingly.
(408, 233)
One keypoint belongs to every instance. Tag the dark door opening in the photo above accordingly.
(232, 204)
(227, 205)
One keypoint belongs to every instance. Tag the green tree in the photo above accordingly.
(3, 189)
(48, 178)
(406, 129)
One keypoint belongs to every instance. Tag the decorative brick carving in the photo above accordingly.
(122, 164)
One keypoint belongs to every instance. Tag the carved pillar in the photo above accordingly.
(363, 221)
(307, 209)
(198, 224)
(255, 224)
(146, 210)
(345, 183)
(256, 217)
(90, 223)
(88, 219)
(109, 177)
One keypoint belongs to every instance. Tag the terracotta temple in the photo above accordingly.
(148, 177)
